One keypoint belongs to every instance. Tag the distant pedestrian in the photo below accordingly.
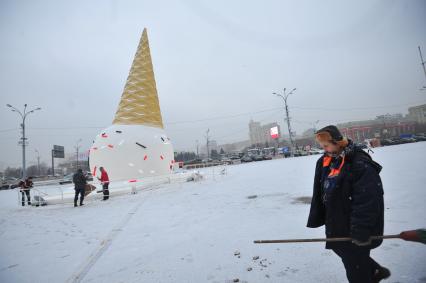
(105, 182)
(25, 186)
(369, 147)
(80, 182)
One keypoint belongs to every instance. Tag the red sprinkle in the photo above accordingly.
(110, 146)
(104, 135)
(145, 157)
(161, 157)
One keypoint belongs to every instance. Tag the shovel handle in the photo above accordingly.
(344, 239)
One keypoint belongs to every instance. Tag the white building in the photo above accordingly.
(418, 113)
(261, 134)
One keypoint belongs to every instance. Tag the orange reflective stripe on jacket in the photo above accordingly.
(326, 161)
(333, 172)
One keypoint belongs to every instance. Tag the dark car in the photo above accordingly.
(267, 157)
(234, 157)
(5, 185)
(9, 183)
(257, 157)
(67, 179)
(299, 152)
(193, 161)
(387, 142)
(287, 154)
(89, 176)
(419, 138)
(407, 140)
(227, 161)
(398, 141)
(246, 158)
(14, 185)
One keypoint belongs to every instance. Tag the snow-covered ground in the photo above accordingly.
(204, 231)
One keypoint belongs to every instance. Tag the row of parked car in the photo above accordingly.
(67, 179)
(255, 157)
(250, 156)
(395, 141)
(9, 183)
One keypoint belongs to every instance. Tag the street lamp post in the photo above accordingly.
(77, 148)
(314, 125)
(23, 115)
(284, 96)
(207, 144)
(38, 162)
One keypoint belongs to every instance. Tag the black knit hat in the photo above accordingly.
(333, 131)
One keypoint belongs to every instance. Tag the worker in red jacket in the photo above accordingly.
(105, 182)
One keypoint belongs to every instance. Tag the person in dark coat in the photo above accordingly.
(25, 187)
(348, 200)
(80, 182)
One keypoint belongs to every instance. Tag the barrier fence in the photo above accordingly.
(64, 194)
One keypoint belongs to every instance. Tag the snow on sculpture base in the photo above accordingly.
(131, 152)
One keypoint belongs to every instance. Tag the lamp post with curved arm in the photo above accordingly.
(284, 96)
(23, 115)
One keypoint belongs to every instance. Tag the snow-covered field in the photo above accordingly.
(204, 231)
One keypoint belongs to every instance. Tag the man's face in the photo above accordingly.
(330, 147)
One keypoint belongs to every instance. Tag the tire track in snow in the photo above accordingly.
(79, 275)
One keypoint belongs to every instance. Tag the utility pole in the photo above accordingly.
(207, 143)
(77, 148)
(284, 96)
(23, 115)
(314, 125)
(196, 142)
(423, 64)
(38, 162)
(53, 163)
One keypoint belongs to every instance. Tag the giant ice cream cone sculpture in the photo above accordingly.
(135, 146)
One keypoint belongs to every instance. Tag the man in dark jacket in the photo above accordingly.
(348, 200)
(80, 182)
(25, 186)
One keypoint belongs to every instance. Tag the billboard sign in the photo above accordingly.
(274, 132)
(58, 151)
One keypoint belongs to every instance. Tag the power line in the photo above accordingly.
(356, 108)
(222, 117)
(67, 128)
(9, 130)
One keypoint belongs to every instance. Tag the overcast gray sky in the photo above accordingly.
(347, 59)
